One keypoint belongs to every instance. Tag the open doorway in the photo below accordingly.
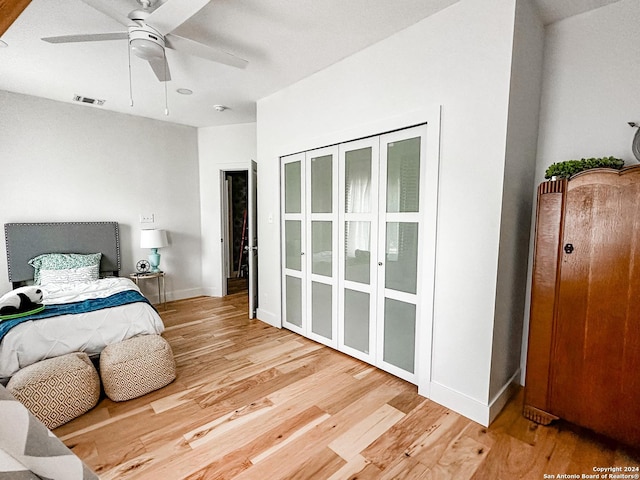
(236, 231)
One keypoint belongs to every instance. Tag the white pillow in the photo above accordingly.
(80, 274)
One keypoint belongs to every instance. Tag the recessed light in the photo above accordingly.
(184, 91)
(220, 108)
(3, 44)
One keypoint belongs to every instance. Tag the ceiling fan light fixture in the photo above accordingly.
(220, 108)
(146, 43)
(146, 49)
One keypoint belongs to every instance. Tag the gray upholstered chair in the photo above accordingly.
(29, 450)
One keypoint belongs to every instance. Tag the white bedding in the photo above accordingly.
(37, 340)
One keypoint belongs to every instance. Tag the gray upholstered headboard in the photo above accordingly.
(27, 240)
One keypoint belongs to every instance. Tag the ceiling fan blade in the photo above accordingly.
(108, 11)
(161, 68)
(203, 51)
(89, 37)
(170, 15)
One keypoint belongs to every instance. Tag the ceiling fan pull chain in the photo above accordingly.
(166, 101)
(130, 85)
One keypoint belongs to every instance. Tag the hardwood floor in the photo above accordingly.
(237, 285)
(254, 402)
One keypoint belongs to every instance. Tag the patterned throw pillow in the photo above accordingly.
(64, 261)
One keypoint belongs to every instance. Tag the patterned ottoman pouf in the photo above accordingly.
(58, 389)
(136, 366)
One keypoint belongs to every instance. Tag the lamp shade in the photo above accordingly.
(153, 239)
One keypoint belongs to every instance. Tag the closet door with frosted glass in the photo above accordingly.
(322, 244)
(293, 234)
(358, 220)
(402, 155)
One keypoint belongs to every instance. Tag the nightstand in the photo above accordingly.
(159, 276)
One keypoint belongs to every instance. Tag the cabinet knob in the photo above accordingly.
(568, 248)
(379, 264)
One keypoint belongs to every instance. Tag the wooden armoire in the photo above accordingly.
(583, 361)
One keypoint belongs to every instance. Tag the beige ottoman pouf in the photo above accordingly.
(58, 389)
(136, 366)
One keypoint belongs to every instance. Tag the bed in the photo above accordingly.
(101, 321)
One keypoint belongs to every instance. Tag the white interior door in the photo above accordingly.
(358, 193)
(402, 160)
(354, 236)
(321, 225)
(252, 246)
(294, 304)
(227, 253)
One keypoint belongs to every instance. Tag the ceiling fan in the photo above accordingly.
(149, 33)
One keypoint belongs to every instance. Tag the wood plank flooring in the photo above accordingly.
(254, 402)
(237, 285)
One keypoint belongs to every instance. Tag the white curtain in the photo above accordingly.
(358, 200)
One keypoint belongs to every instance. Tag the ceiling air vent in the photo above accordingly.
(92, 101)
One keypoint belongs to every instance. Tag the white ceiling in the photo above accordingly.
(283, 40)
(553, 10)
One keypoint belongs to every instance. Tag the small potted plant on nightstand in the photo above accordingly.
(568, 168)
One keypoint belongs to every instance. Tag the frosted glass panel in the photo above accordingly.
(321, 310)
(294, 300)
(293, 244)
(321, 184)
(358, 181)
(402, 257)
(292, 187)
(403, 175)
(356, 320)
(322, 248)
(357, 249)
(399, 334)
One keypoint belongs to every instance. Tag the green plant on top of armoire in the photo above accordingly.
(569, 168)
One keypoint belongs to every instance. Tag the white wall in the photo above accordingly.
(230, 147)
(522, 136)
(459, 58)
(590, 90)
(63, 162)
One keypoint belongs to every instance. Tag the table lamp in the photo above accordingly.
(153, 239)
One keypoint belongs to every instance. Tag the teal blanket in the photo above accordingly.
(84, 306)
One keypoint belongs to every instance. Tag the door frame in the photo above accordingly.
(432, 115)
(252, 237)
(224, 222)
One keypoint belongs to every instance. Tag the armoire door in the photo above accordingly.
(594, 374)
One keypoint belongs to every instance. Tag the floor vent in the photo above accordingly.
(92, 101)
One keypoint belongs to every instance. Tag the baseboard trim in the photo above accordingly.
(182, 294)
(460, 403)
(471, 408)
(504, 395)
(211, 292)
(268, 317)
